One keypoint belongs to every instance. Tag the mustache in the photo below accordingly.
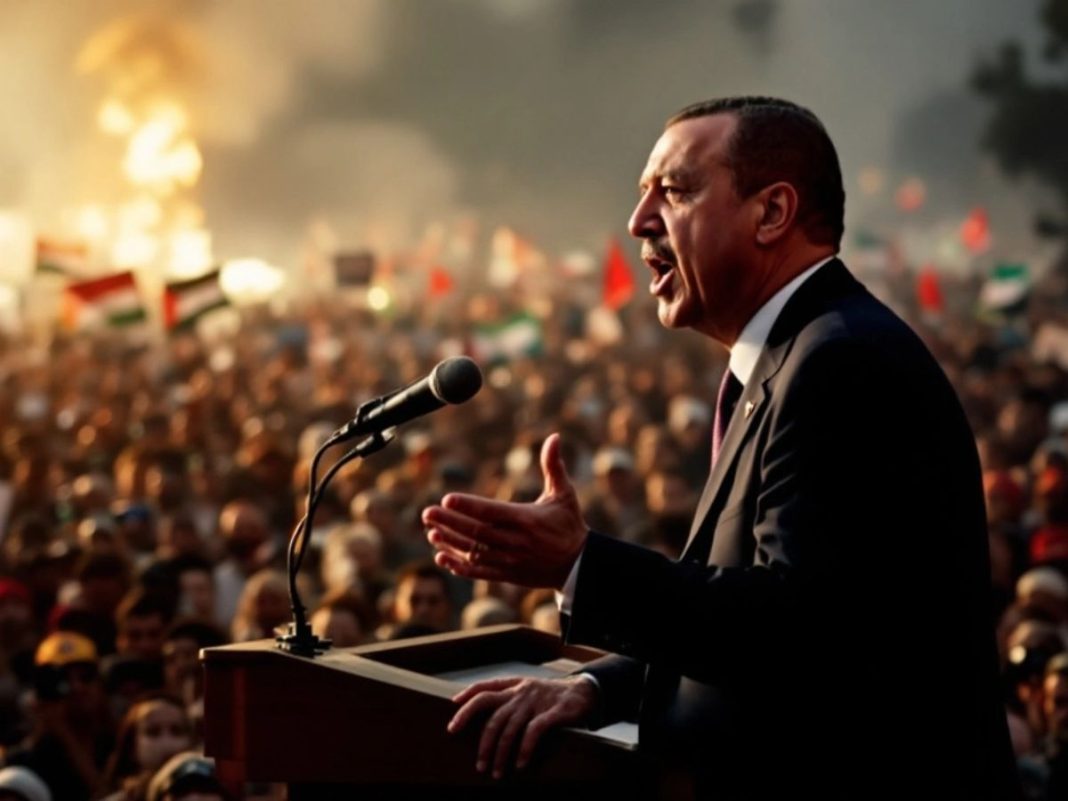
(658, 249)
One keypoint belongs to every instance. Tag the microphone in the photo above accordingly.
(452, 381)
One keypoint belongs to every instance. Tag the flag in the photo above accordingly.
(113, 300)
(618, 286)
(870, 255)
(185, 302)
(441, 282)
(517, 337)
(1006, 290)
(975, 231)
(929, 291)
(61, 258)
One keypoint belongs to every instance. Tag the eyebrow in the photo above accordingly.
(677, 174)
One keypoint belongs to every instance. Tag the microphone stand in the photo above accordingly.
(299, 638)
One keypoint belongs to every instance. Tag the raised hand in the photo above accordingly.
(517, 708)
(531, 544)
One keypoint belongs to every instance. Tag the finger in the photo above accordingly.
(487, 744)
(483, 702)
(461, 567)
(489, 685)
(445, 539)
(553, 469)
(501, 513)
(515, 723)
(537, 727)
(460, 557)
(470, 529)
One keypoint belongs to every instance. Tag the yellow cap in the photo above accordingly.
(65, 647)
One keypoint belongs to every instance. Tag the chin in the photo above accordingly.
(671, 315)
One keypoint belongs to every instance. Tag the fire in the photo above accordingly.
(160, 154)
(156, 228)
(145, 61)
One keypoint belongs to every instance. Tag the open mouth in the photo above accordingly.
(663, 271)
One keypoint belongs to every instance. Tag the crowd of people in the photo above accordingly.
(148, 492)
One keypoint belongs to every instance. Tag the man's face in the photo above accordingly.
(141, 636)
(423, 600)
(197, 593)
(696, 231)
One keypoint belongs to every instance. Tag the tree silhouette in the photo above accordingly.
(1029, 128)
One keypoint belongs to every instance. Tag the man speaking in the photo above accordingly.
(826, 631)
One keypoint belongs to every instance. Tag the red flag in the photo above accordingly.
(975, 231)
(441, 282)
(929, 291)
(618, 278)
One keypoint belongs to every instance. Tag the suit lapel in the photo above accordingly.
(754, 396)
(828, 282)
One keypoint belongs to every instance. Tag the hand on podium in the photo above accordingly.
(531, 544)
(516, 706)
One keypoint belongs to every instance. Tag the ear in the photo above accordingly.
(778, 210)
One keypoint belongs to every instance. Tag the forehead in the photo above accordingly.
(697, 145)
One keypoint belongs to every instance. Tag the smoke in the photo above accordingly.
(379, 117)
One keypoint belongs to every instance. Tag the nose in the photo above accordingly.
(645, 221)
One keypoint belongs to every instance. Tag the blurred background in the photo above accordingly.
(227, 130)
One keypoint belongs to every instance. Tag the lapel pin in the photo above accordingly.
(749, 406)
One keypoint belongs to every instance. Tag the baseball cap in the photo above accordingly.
(184, 773)
(63, 648)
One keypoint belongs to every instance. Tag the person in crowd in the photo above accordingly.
(140, 621)
(262, 608)
(196, 587)
(344, 618)
(422, 603)
(72, 732)
(153, 730)
(246, 537)
(187, 776)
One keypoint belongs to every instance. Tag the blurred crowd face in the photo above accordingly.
(694, 226)
(340, 626)
(424, 601)
(162, 731)
(244, 528)
(197, 589)
(141, 636)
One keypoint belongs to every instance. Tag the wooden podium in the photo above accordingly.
(369, 722)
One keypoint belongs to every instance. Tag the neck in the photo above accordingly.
(778, 270)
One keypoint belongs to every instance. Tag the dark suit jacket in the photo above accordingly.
(827, 632)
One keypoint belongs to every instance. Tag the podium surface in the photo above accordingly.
(370, 721)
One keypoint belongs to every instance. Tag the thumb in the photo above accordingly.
(557, 481)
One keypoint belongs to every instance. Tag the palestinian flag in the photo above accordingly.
(517, 337)
(61, 258)
(1007, 290)
(113, 301)
(185, 302)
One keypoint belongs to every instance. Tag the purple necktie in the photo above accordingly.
(730, 390)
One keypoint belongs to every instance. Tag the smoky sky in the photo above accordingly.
(379, 117)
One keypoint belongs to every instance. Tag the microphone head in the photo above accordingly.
(455, 380)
